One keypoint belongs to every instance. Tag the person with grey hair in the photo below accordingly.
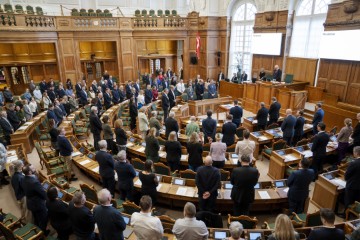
(106, 167)
(109, 220)
(126, 174)
(188, 227)
(262, 116)
(95, 126)
(16, 183)
(154, 122)
(217, 151)
(192, 126)
(74, 105)
(288, 127)
(235, 229)
(171, 125)
(207, 181)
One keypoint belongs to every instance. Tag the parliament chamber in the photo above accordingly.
(106, 106)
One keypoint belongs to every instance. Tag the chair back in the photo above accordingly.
(90, 193)
(8, 234)
(272, 126)
(231, 148)
(302, 142)
(130, 207)
(278, 145)
(206, 147)
(152, 13)
(160, 12)
(289, 78)
(167, 13)
(137, 12)
(313, 219)
(188, 174)
(138, 164)
(174, 12)
(240, 133)
(210, 219)
(246, 221)
(225, 175)
(162, 169)
(166, 221)
(144, 13)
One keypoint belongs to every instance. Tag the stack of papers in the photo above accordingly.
(22, 128)
(183, 157)
(158, 187)
(181, 191)
(263, 138)
(264, 194)
(129, 144)
(286, 189)
(74, 154)
(255, 121)
(96, 169)
(307, 153)
(289, 158)
(84, 162)
(339, 182)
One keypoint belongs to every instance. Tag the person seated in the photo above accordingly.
(243, 77)
(283, 229)
(262, 74)
(328, 230)
(236, 229)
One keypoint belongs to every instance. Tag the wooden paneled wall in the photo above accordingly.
(12, 53)
(162, 47)
(101, 49)
(303, 69)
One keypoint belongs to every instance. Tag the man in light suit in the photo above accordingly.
(318, 117)
(165, 102)
(319, 148)
(298, 183)
(287, 127)
(274, 111)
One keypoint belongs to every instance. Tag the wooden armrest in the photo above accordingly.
(34, 229)
(297, 218)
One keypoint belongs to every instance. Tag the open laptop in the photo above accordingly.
(219, 235)
(280, 184)
(255, 235)
(179, 181)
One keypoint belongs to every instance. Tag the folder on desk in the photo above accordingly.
(181, 191)
(264, 194)
(84, 162)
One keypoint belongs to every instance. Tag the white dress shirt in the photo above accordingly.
(190, 229)
(146, 227)
(180, 87)
(245, 147)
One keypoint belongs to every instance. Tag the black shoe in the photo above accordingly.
(73, 179)
(5, 182)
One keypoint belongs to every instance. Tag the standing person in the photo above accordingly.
(229, 131)
(121, 137)
(172, 97)
(165, 102)
(152, 146)
(192, 126)
(298, 183)
(155, 93)
(54, 133)
(180, 87)
(190, 92)
(149, 181)
(199, 89)
(352, 178)
(12, 117)
(109, 220)
(106, 167)
(35, 197)
(217, 152)
(58, 214)
(245, 147)
(173, 151)
(287, 127)
(154, 123)
(143, 123)
(108, 134)
(171, 125)
(33, 107)
(188, 227)
(328, 230)
(261, 116)
(299, 127)
(209, 127)
(28, 113)
(95, 126)
(7, 127)
(195, 150)
(146, 227)
(82, 220)
(343, 139)
(212, 89)
(16, 183)
(133, 113)
(319, 148)
(148, 94)
(274, 111)
(277, 73)
(318, 117)
(237, 112)
(356, 133)
(126, 173)
(140, 99)
(65, 150)
(107, 98)
(115, 95)
(207, 181)
(284, 229)
(243, 179)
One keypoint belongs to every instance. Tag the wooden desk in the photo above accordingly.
(260, 138)
(327, 191)
(200, 107)
(181, 110)
(223, 108)
(279, 162)
(235, 90)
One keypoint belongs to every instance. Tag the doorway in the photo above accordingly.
(19, 77)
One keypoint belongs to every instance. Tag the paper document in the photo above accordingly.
(116, 176)
(234, 160)
(22, 128)
(254, 122)
(141, 149)
(263, 138)
(12, 158)
(129, 144)
(289, 158)
(286, 189)
(307, 153)
(264, 194)
(162, 154)
(84, 162)
(74, 154)
(181, 191)
(96, 169)
(183, 157)
(158, 187)
(138, 182)
(339, 182)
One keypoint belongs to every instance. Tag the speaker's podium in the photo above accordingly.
(327, 189)
(280, 160)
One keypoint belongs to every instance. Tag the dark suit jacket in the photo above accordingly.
(243, 180)
(172, 98)
(6, 127)
(133, 110)
(61, 93)
(299, 126)
(122, 95)
(165, 102)
(82, 220)
(110, 222)
(64, 146)
(277, 75)
(83, 98)
(199, 89)
(319, 144)
(318, 117)
(59, 113)
(298, 183)
(262, 115)
(323, 233)
(173, 151)
(16, 183)
(95, 124)
(128, 91)
(13, 119)
(94, 88)
(51, 115)
(137, 89)
(43, 87)
(148, 96)
(195, 151)
(52, 95)
(152, 147)
(209, 127)
(221, 76)
(78, 90)
(352, 175)
(58, 214)
(207, 180)
(274, 111)
(288, 126)
(237, 113)
(106, 164)
(165, 84)
(243, 77)
(356, 134)
(229, 131)
(107, 100)
(171, 125)
(115, 96)
(126, 173)
(35, 193)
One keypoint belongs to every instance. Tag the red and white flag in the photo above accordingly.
(198, 45)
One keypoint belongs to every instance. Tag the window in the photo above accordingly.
(241, 37)
(308, 28)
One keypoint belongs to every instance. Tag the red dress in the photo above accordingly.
(155, 94)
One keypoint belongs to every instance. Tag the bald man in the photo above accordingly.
(288, 126)
(207, 182)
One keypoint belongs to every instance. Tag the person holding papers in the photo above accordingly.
(66, 150)
(243, 179)
(298, 183)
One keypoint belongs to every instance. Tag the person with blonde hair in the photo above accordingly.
(195, 150)
(120, 134)
(173, 151)
(152, 146)
(217, 151)
(343, 139)
(283, 229)
(143, 122)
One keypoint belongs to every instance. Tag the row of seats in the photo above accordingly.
(8, 8)
(91, 13)
(160, 13)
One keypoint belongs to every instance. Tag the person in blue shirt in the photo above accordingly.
(27, 94)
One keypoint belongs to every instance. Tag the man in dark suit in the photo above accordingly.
(165, 102)
(16, 183)
(95, 126)
(12, 117)
(78, 88)
(277, 73)
(35, 197)
(65, 150)
(82, 97)
(106, 167)
(261, 116)
(287, 127)
(148, 94)
(128, 89)
(126, 174)
(165, 84)
(298, 183)
(234, 78)
(229, 131)
(43, 86)
(172, 97)
(8, 96)
(207, 181)
(243, 77)
(328, 230)
(107, 98)
(352, 178)
(299, 127)
(59, 112)
(61, 92)
(209, 127)
(356, 133)
(199, 89)
(137, 87)
(6, 126)
(115, 95)
(104, 212)
(171, 125)
(243, 179)
(106, 75)
(237, 113)
(169, 73)
(318, 117)
(104, 86)
(319, 148)
(122, 93)
(94, 87)
(274, 111)
(51, 94)
(111, 83)
(51, 114)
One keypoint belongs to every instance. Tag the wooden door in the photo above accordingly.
(93, 71)
(18, 78)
